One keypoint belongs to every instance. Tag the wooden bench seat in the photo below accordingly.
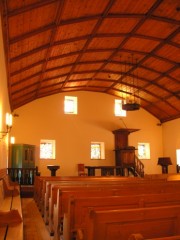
(11, 224)
(124, 190)
(78, 208)
(57, 191)
(51, 187)
(49, 198)
(173, 177)
(43, 184)
(165, 176)
(153, 222)
(140, 237)
(56, 211)
(41, 181)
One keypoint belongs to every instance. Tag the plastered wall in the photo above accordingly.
(95, 121)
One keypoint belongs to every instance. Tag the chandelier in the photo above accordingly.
(131, 106)
(131, 101)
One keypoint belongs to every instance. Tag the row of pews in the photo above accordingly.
(111, 208)
(11, 222)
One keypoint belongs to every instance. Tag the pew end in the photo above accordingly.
(136, 236)
(10, 217)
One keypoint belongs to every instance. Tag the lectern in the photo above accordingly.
(164, 162)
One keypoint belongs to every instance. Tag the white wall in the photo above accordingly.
(45, 119)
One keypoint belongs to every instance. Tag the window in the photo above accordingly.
(118, 111)
(47, 149)
(70, 105)
(97, 150)
(178, 156)
(143, 151)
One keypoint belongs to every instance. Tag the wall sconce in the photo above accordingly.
(8, 125)
(164, 162)
(12, 140)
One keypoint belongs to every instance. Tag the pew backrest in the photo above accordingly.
(78, 208)
(120, 224)
(11, 225)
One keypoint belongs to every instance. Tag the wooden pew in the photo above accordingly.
(128, 190)
(47, 186)
(78, 208)
(140, 237)
(62, 205)
(40, 187)
(100, 183)
(173, 177)
(43, 184)
(40, 183)
(166, 176)
(50, 199)
(153, 222)
(8, 185)
(57, 208)
(123, 190)
(11, 224)
(83, 182)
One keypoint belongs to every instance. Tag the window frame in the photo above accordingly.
(101, 148)
(53, 155)
(70, 100)
(178, 156)
(118, 111)
(146, 154)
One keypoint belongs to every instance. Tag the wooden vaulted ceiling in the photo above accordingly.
(118, 47)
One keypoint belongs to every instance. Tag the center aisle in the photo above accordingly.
(34, 226)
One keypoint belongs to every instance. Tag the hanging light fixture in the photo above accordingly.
(131, 106)
(132, 103)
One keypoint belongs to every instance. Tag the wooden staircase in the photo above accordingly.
(138, 169)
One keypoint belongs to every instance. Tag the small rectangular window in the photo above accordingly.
(97, 150)
(118, 111)
(178, 156)
(70, 105)
(47, 149)
(143, 151)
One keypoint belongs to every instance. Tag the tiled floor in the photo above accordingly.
(34, 227)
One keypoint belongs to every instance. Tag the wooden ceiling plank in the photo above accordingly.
(93, 33)
(28, 8)
(34, 63)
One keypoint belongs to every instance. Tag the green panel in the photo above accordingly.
(23, 156)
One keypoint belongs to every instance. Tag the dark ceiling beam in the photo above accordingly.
(28, 8)
(27, 35)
